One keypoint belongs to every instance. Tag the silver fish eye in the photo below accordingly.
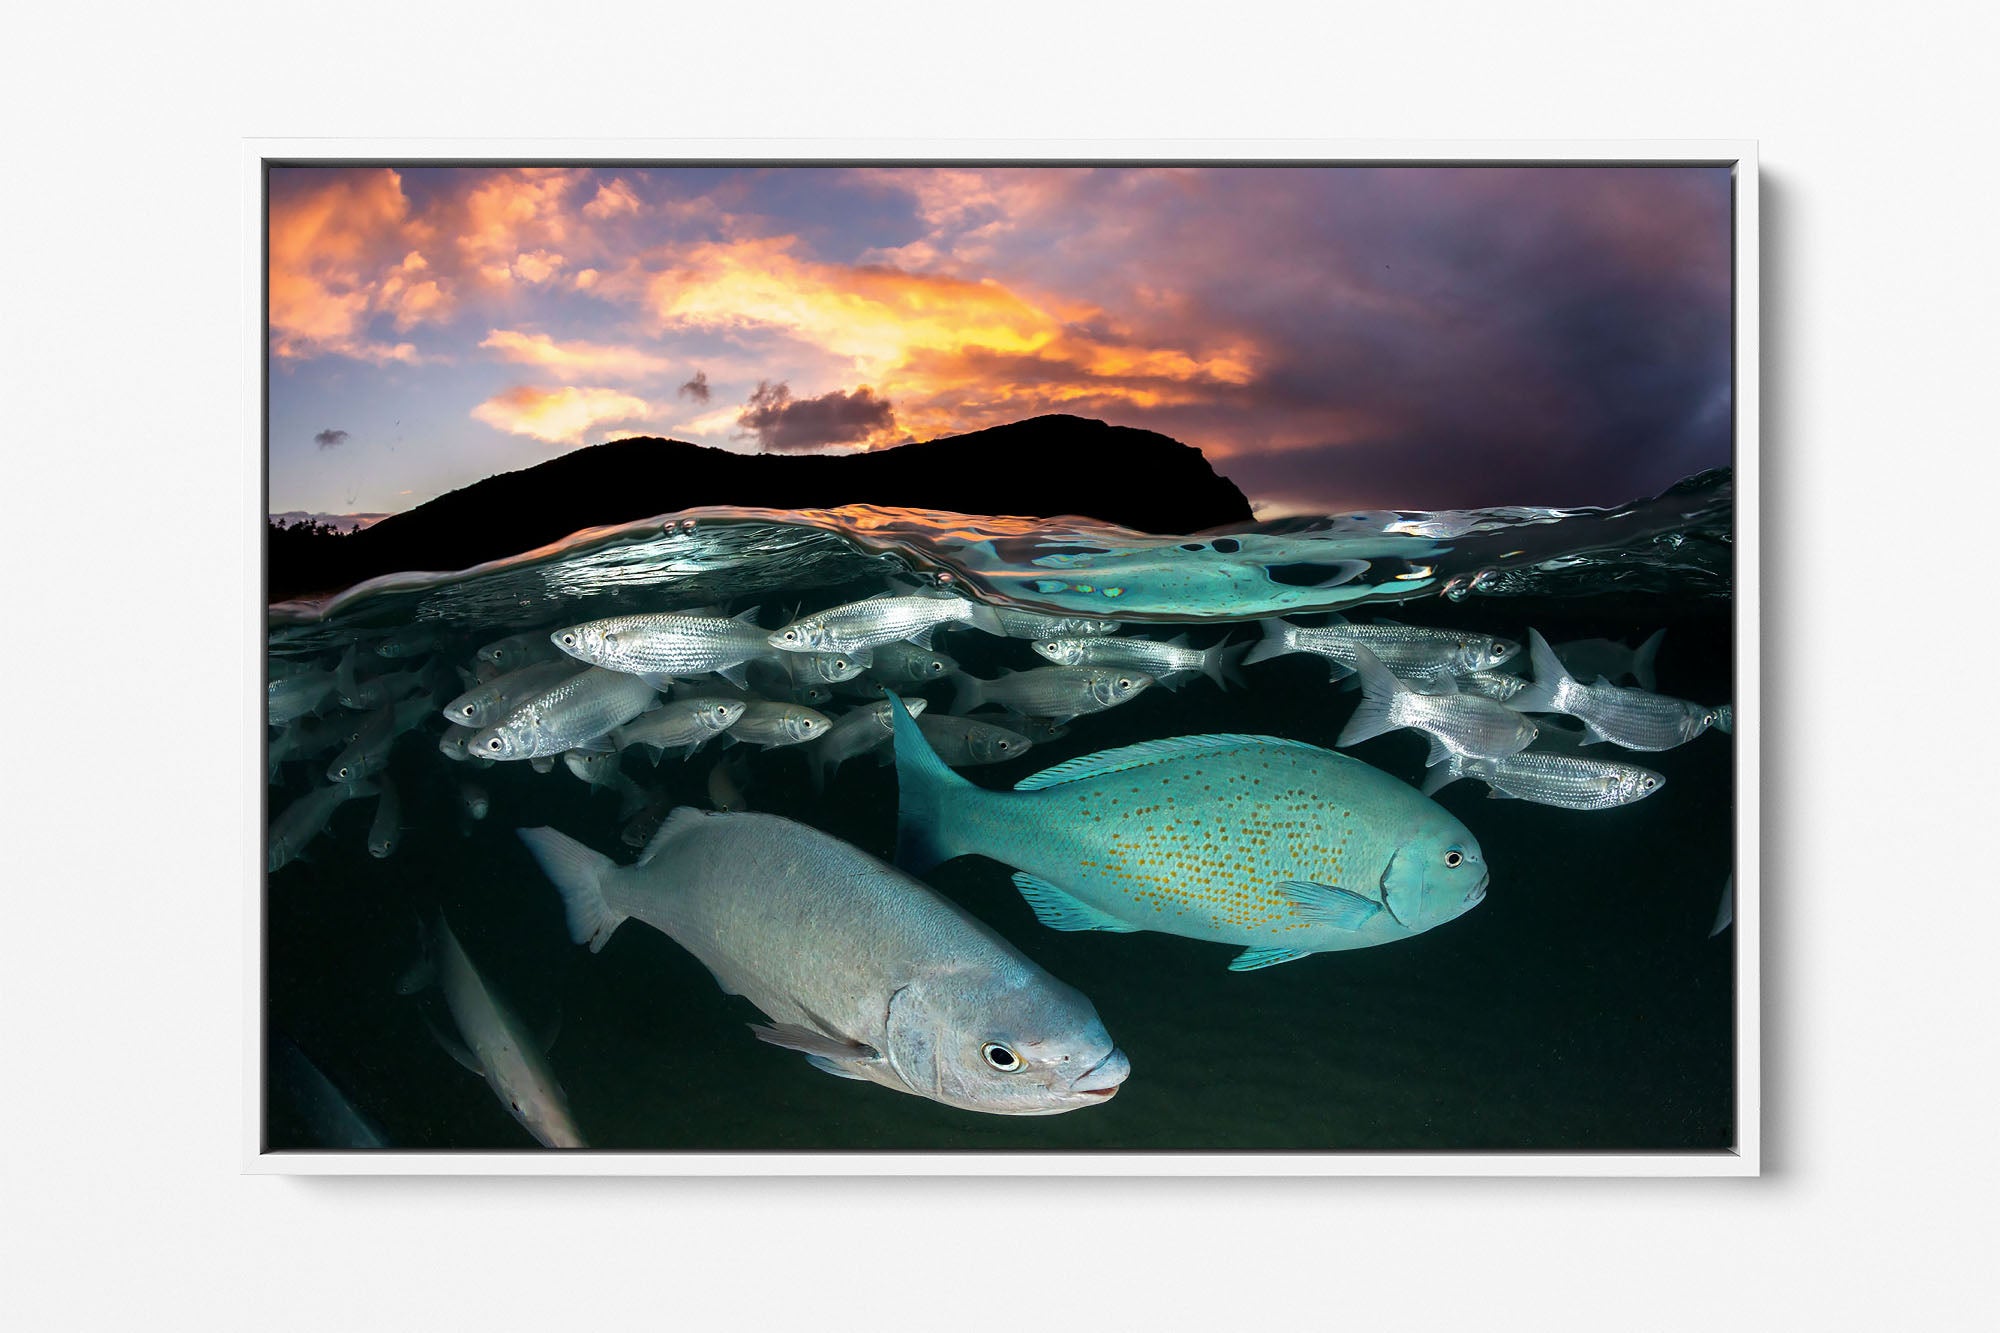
(1646, 783)
(1006, 745)
(1000, 1057)
(1124, 682)
(1454, 858)
(493, 744)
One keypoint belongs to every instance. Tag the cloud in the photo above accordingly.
(330, 439)
(613, 197)
(786, 424)
(574, 360)
(933, 341)
(343, 249)
(560, 416)
(697, 388)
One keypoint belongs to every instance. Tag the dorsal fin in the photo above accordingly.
(674, 823)
(1148, 752)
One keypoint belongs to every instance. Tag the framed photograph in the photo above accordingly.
(994, 658)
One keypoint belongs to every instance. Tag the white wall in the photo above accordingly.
(122, 945)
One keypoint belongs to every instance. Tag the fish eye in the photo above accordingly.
(1000, 1057)
(1006, 745)
(569, 640)
(1124, 682)
(1646, 784)
(493, 744)
(936, 665)
(467, 711)
(1454, 858)
(1499, 650)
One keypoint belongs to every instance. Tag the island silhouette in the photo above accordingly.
(1043, 467)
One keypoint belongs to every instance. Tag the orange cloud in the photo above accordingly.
(515, 224)
(941, 347)
(611, 200)
(559, 416)
(334, 266)
(574, 360)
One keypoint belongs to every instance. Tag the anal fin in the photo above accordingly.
(1060, 910)
(1252, 959)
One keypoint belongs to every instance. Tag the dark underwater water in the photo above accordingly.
(1583, 1006)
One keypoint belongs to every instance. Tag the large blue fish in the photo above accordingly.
(1280, 847)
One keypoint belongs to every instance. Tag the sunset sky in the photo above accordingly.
(1331, 338)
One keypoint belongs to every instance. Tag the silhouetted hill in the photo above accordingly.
(1044, 467)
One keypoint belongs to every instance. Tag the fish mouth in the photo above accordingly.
(1103, 1078)
(1478, 894)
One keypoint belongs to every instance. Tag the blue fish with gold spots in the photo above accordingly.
(1280, 847)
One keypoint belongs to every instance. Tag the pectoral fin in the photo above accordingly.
(1252, 959)
(735, 675)
(1329, 906)
(1059, 910)
(804, 1040)
(835, 1067)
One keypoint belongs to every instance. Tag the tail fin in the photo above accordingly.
(925, 789)
(1542, 693)
(984, 617)
(1277, 642)
(1379, 690)
(968, 692)
(1642, 661)
(1220, 662)
(578, 874)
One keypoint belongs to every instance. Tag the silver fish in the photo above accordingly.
(907, 664)
(473, 798)
(767, 723)
(667, 645)
(497, 1045)
(308, 737)
(452, 745)
(1634, 719)
(856, 732)
(1495, 685)
(1590, 658)
(1551, 779)
(1057, 692)
(362, 695)
(385, 835)
(519, 650)
(964, 742)
(484, 704)
(411, 641)
(1463, 724)
(1019, 624)
(599, 769)
(305, 819)
(1414, 653)
(860, 968)
(680, 721)
(368, 753)
(1158, 659)
(563, 716)
(886, 618)
(292, 697)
